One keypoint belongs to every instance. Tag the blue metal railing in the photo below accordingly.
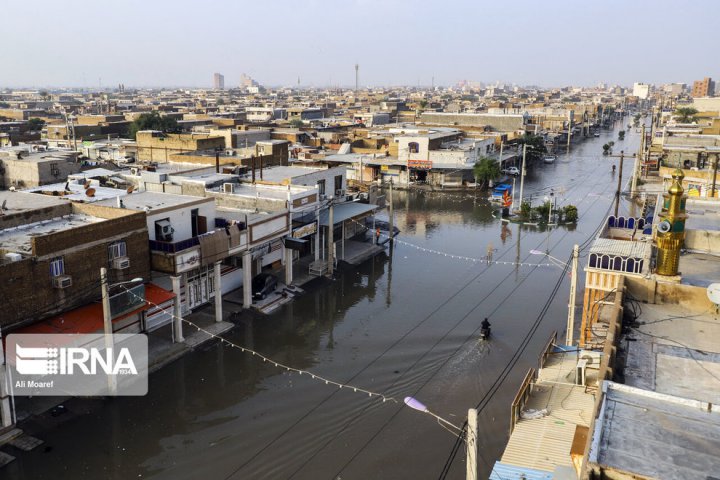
(174, 247)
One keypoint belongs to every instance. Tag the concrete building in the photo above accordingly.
(31, 166)
(265, 114)
(218, 81)
(641, 90)
(156, 146)
(51, 252)
(703, 88)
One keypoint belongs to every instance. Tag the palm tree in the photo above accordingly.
(685, 114)
(486, 169)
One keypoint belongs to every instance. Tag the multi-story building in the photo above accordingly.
(156, 146)
(703, 88)
(51, 252)
(641, 90)
(219, 81)
(32, 166)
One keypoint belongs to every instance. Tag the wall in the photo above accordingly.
(154, 146)
(497, 122)
(31, 173)
(180, 219)
(27, 286)
(703, 240)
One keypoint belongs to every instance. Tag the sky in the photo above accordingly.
(551, 43)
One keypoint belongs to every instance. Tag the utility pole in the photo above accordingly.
(714, 181)
(619, 186)
(571, 302)
(638, 160)
(330, 240)
(107, 325)
(471, 445)
(500, 161)
(7, 416)
(522, 174)
(391, 226)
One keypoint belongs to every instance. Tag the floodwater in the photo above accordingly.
(404, 324)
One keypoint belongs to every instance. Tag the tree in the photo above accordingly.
(486, 169)
(153, 121)
(685, 114)
(535, 143)
(44, 94)
(606, 149)
(36, 124)
(296, 123)
(571, 213)
(621, 135)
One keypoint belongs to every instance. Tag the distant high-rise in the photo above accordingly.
(357, 68)
(641, 90)
(703, 88)
(219, 81)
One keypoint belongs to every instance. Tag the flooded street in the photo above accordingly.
(403, 324)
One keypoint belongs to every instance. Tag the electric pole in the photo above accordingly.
(522, 174)
(619, 186)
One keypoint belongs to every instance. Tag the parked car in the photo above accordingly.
(511, 171)
(264, 284)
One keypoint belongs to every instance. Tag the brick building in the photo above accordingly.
(51, 252)
(703, 88)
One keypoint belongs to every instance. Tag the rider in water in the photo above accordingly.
(613, 168)
(485, 324)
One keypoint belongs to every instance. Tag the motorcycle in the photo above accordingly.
(484, 333)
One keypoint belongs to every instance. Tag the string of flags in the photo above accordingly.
(268, 360)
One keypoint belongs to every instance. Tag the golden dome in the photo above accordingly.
(676, 187)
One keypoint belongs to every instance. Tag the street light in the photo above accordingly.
(107, 318)
(547, 254)
(470, 435)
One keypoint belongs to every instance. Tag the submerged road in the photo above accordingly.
(405, 324)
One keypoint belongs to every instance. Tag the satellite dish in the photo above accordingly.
(664, 226)
(130, 189)
(87, 185)
(713, 293)
(90, 192)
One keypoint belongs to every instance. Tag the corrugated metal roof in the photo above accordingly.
(621, 248)
(511, 472)
(541, 444)
(345, 211)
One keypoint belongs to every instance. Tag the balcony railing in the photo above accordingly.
(174, 247)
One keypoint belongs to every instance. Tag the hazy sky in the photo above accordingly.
(182, 42)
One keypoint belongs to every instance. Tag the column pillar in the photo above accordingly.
(288, 265)
(317, 241)
(247, 279)
(177, 310)
(218, 293)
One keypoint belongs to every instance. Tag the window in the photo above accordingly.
(414, 147)
(116, 250)
(321, 187)
(57, 266)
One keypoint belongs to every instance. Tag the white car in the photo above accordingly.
(511, 171)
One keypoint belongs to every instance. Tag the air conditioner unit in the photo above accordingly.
(121, 263)
(323, 197)
(340, 193)
(164, 231)
(228, 188)
(580, 371)
(62, 281)
(134, 171)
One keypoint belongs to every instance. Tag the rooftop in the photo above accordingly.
(656, 435)
(156, 201)
(19, 239)
(21, 201)
(281, 173)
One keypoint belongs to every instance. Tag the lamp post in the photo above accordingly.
(107, 319)
(470, 434)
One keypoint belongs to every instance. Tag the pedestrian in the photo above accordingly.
(377, 236)
(490, 250)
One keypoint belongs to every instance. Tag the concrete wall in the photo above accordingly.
(153, 146)
(497, 122)
(651, 291)
(703, 240)
(30, 173)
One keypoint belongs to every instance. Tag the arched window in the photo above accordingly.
(414, 147)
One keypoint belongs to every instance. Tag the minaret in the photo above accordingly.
(671, 229)
(357, 67)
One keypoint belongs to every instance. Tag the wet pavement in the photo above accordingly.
(405, 323)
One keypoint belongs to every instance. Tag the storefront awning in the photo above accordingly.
(346, 211)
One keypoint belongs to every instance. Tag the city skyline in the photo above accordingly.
(395, 43)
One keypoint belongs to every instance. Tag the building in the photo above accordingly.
(33, 165)
(703, 88)
(641, 90)
(51, 252)
(219, 81)
(156, 146)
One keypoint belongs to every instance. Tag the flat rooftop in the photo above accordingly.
(22, 201)
(674, 351)
(280, 173)
(656, 435)
(76, 192)
(19, 239)
(155, 201)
